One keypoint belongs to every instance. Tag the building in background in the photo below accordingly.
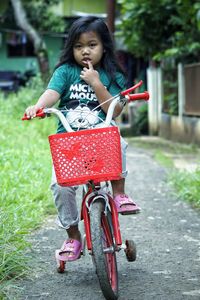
(16, 51)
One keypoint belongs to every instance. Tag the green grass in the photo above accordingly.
(185, 184)
(25, 172)
(164, 160)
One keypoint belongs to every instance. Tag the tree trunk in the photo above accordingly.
(111, 4)
(38, 43)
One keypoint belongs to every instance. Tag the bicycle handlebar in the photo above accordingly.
(123, 96)
(135, 97)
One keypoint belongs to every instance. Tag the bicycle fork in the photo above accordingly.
(89, 198)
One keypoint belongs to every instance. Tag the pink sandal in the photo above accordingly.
(125, 205)
(70, 250)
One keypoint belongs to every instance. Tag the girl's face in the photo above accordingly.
(88, 47)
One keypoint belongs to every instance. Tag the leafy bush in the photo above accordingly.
(161, 29)
(25, 171)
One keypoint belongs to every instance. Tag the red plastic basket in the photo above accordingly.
(80, 156)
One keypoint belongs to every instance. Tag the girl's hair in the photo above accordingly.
(97, 25)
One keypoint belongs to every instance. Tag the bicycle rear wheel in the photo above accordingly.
(103, 249)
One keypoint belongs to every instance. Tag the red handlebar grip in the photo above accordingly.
(40, 114)
(24, 118)
(140, 96)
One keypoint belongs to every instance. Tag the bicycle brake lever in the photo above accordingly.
(132, 88)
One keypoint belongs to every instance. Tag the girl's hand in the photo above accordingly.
(31, 111)
(47, 99)
(90, 75)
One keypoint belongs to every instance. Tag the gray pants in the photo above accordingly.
(65, 197)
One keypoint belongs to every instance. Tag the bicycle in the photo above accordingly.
(83, 157)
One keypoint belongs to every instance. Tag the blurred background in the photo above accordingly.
(156, 41)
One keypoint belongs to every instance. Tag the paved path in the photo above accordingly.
(167, 234)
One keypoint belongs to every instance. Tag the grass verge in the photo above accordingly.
(25, 172)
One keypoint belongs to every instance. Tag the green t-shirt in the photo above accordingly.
(79, 98)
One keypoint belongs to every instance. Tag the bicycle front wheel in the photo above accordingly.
(103, 249)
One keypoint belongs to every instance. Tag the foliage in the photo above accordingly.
(25, 171)
(40, 14)
(170, 88)
(160, 29)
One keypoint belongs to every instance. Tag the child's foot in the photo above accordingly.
(125, 205)
(70, 250)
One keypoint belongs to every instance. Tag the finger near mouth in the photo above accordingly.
(86, 61)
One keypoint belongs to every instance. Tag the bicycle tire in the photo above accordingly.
(102, 237)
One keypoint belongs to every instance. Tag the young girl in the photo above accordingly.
(86, 75)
